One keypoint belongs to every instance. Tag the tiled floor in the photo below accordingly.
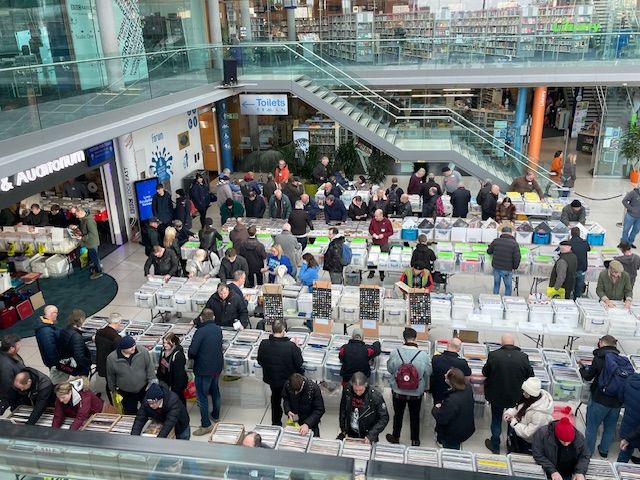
(241, 397)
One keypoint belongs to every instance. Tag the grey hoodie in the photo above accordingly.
(130, 377)
(631, 264)
(631, 202)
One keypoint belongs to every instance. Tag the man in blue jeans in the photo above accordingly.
(579, 247)
(630, 425)
(602, 409)
(505, 371)
(506, 259)
(631, 224)
(206, 352)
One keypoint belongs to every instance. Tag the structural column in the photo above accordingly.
(291, 24)
(110, 47)
(537, 126)
(245, 19)
(521, 117)
(215, 31)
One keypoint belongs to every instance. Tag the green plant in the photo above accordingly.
(378, 166)
(630, 146)
(347, 158)
(300, 163)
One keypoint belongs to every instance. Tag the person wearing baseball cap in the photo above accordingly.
(563, 274)
(560, 449)
(163, 406)
(533, 411)
(614, 284)
(129, 370)
(574, 212)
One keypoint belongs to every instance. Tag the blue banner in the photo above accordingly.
(224, 132)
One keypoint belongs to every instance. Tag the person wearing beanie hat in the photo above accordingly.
(163, 406)
(230, 209)
(534, 410)
(200, 196)
(574, 212)
(130, 370)
(182, 210)
(356, 356)
(630, 261)
(603, 407)
(563, 274)
(614, 284)
(560, 449)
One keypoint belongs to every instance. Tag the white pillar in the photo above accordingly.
(291, 24)
(245, 20)
(109, 42)
(215, 31)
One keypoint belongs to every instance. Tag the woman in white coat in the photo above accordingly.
(534, 410)
(201, 266)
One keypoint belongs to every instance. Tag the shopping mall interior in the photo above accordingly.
(102, 102)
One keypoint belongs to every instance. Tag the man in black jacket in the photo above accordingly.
(561, 451)
(32, 388)
(228, 308)
(163, 406)
(333, 257)
(164, 262)
(485, 188)
(460, 199)
(75, 357)
(506, 259)
(358, 209)
(255, 254)
(441, 365)
(505, 370)
(563, 274)
(231, 263)
(10, 364)
(422, 254)
(299, 221)
(152, 235)
(490, 203)
(303, 403)
(106, 340)
(579, 247)
(363, 413)
(602, 409)
(279, 358)
(357, 355)
(254, 205)
(320, 173)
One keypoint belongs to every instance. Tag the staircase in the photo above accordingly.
(589, 94)
(432, 134)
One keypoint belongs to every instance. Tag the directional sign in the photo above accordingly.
(264, 105)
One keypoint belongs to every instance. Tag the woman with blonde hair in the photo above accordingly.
(276, 258)
(170, 242)
(75, 400)
(201, 266)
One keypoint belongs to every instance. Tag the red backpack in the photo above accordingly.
(407, 377)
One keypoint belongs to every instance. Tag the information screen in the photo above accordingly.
(103, 152)
(145, 190)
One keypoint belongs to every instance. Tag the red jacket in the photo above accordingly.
(382, 227)
(88, 405)
(281, 176)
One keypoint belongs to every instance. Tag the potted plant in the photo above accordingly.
(347, 159)
(630, 148)
(378, 166)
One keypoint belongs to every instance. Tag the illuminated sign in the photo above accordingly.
(41, 171)
(575, 27)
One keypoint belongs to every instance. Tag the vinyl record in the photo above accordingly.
(92, 187)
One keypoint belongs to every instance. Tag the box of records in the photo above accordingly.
(556, 357)
(628, 471)
(314, 363)
(426, 457)
(356, 448)
(270, 434)
(292, 441)
(332, 367)
(236, 359)
(456, 460)
(600, 470)
(101, 422)
(321, 446)
(525, 466)
(566, 384)
(389, 452)
(492, 464)
(227, 433)
(123, 425)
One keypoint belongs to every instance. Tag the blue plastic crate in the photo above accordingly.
(540, 238)
(409, 234)
(595, 239)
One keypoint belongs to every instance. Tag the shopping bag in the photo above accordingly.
(292, 423)
(555, 292)
(117, 403)
(190, 390)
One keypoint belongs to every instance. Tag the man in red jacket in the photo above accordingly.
(380, 229)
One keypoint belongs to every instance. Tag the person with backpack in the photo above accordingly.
(393, 194)
(630, 425)
(336, 256)
(410, 368)
(609, 371)
(209, 236)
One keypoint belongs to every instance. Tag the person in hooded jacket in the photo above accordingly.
(602, 408)
(279, 358)
(630, 426)
(533, 411)
(254, 205)
(253, 251)
(230, 209)
(172, 366)
(363, 412)
(201, 197)
(454, 415)
(152, 235)
(460, 199)
(209, 236)
(182, 210)
(485, 188)
(228, 307)
(75, 401)
(422, 254)
(162, 205)
(107, 340)
(34, 389)
(333, 257)
(71, 345)
(239, 233)
(303, 403)
(560, 449)
(356, 356)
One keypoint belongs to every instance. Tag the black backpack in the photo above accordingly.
(393, 197)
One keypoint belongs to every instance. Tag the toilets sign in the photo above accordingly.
(264, 105)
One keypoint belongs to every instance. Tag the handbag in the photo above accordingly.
(67, 365)
(190, 390)
(516, 444)
(117, 403)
